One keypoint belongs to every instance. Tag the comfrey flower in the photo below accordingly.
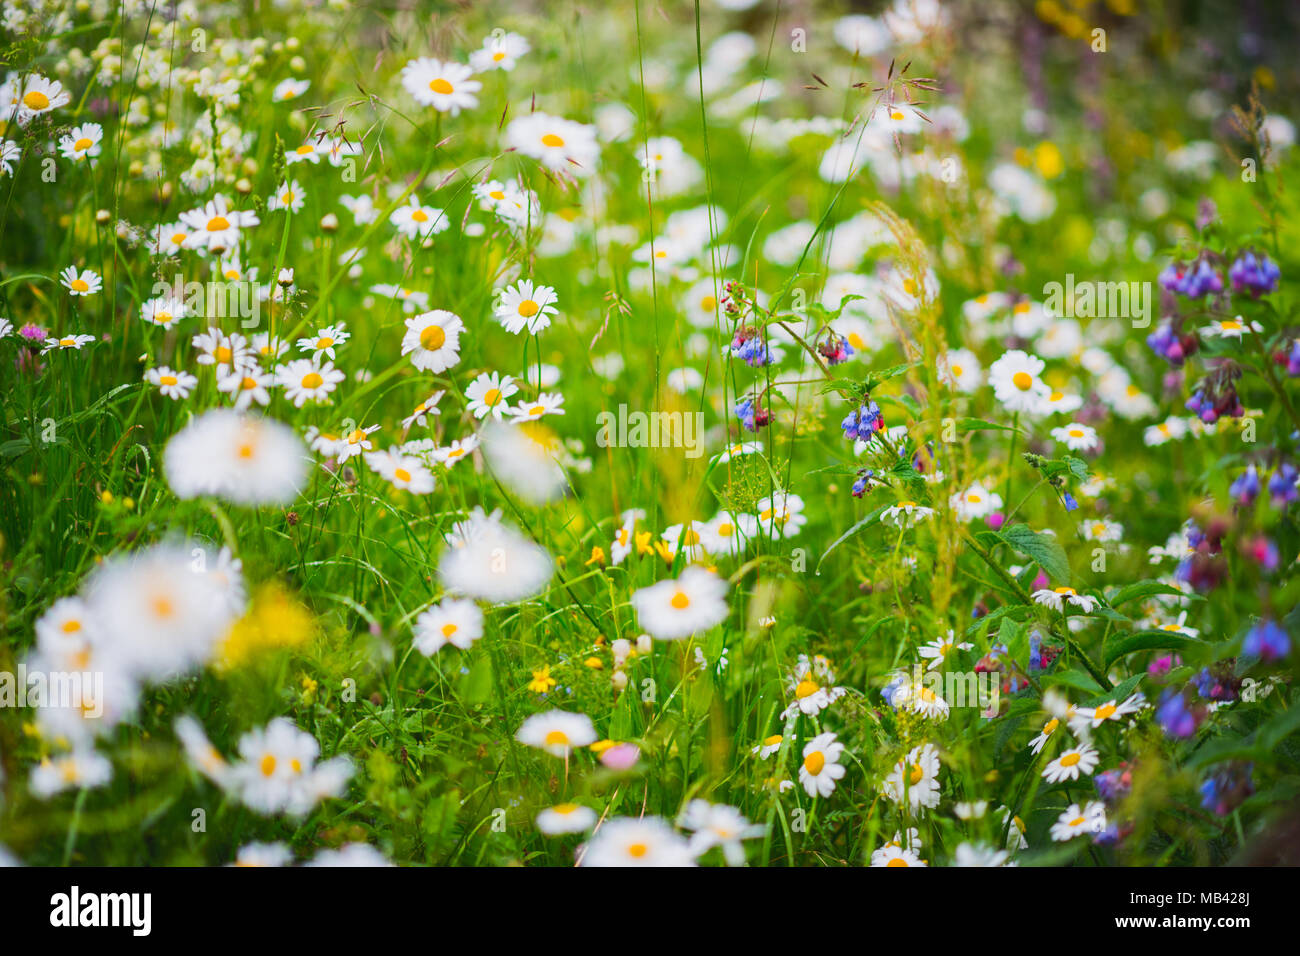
(863, 482)
(1171, 346)
(1195, 281)
(835, 350)
(1267, 641)
(1254, 275)
(863, 422)
(1178, 719)
(1217, 682)
(1292, 360)
(1245, 488)
(1282, 485)
(1227, 788)
(751, 347)
(1114, 785)
(1210, 404)
(752, 414)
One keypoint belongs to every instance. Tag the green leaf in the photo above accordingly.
(1140, 590)
(859, 526)
(1079, 680)
(1120, 645)
(1041, 548)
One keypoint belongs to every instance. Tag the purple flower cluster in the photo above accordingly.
(1282, 485)
(1266, 641)
(1210, 406)
(835, 350)
(1178, 718)
(752, 414)
(1195, 281)
(1172, 347)
(1227, 788)
(863, 422)
(1245, 488)
(749, 346)
(1114, 785)
(1255, 275)
(863, 482)
(1218, 682)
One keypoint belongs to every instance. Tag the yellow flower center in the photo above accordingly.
(268, 765)
(36, 100)
(708, 303)
(1108, 710)
(81, 145)
(167, 380)
(1023, 381)
(441, 86)
(432, 338)
(449, 629)
(1070, 759)
(550, 139)
(218, 224)
(420, 215)
(79, 285)
(528, 308)
(637, 850)
(557, 738)
(492, 396)
(806, 688)
(680, 600)
(401, 474)
(814, 762)
(917, 774)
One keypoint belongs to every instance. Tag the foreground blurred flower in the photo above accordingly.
(279, 773)
(557, 732)
(566, 818)
(493, 562)
(716, 824)
(523, 457)
(629, 841)
(242, 458)
(275, 621)
(1266, 641)
(674, 609)
(457, 622)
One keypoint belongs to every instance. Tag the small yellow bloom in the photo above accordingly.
(597, 555)
(643, 542)
(542, 680)
(594, 663)
(600, 746)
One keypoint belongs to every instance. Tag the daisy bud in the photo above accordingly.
(103, 217)
(643, 644)
(285, 278)
(619, 680)
(244, 186)
(329, 222)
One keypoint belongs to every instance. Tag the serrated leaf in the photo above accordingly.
(1044, 549)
